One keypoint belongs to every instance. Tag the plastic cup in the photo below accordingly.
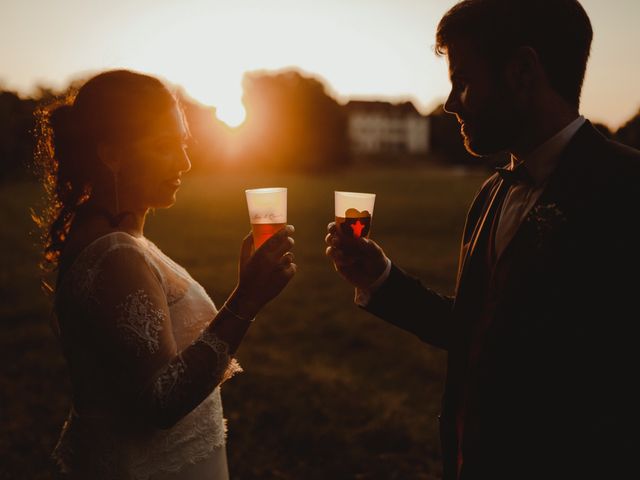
(354, 212)
(267, 212)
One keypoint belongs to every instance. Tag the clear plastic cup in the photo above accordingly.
(267, 212)
(354, 212)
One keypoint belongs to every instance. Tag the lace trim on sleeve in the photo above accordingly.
(169, 381)
(172, 380)
(227, 366)
(140, 323)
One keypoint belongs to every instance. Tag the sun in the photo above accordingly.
(233, 114)
(221, 91)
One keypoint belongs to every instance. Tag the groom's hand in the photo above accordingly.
(360, 261)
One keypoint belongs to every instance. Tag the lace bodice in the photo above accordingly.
(144, 362)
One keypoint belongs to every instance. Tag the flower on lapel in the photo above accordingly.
(545, 218)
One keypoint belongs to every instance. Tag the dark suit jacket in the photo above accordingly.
(552, 392)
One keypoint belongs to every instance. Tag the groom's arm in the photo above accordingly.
(403, 301)
(394, 295)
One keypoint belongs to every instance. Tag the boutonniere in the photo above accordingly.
(545, 218)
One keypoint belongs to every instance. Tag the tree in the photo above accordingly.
(209, 142)
(292, 123)
(17, 124)
(629, 133)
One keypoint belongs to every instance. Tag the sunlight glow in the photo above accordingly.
(233, 114)
(205, 46)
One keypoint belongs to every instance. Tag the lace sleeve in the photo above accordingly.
(155, 382)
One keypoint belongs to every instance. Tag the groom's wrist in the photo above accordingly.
(381, 279)
(363, 295)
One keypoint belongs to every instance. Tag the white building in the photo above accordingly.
(385, 128)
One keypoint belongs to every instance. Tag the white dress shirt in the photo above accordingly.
(519, 199)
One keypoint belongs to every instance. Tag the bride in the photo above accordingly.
(146, 348)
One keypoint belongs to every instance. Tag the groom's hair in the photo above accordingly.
(558, 30)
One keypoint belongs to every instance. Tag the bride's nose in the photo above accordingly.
(184, 164)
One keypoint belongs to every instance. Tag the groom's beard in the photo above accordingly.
(493, 128)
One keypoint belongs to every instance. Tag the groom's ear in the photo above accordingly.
(524, 73)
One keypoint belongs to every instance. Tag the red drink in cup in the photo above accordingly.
(354, 212)
(267, 212)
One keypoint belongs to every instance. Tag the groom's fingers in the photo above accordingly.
(333, 240)
(328, 239)
(350, 247)
(333, 254)
(370, 246)
(340, 259)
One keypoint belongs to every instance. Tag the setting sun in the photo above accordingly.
(233, 114)
(205, 46)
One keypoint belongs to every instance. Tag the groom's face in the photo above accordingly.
(481, 101)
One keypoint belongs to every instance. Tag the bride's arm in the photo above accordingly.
(158, 384)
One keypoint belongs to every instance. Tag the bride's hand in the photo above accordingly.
(263, 273)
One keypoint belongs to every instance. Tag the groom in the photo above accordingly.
(540, 334)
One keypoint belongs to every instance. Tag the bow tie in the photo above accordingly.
(515, 176)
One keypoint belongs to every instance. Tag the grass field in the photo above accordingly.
(329, 392)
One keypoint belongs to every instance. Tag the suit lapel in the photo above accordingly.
(480, 234)
(560, 194)
(473, 272)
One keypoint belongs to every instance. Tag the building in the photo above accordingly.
(383, 128)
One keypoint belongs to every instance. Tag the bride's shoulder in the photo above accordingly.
(101, 240)
(89, 256)
(87, 248)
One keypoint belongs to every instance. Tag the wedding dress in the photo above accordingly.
(145, 367)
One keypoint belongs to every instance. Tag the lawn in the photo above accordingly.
(329, 392)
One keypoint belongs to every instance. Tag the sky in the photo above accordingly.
(365, 49)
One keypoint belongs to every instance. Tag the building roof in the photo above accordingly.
(386, 108)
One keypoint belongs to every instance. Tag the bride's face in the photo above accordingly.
(150, 175)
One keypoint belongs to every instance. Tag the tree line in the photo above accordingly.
(292, 123)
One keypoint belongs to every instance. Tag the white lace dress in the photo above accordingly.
(145, 367)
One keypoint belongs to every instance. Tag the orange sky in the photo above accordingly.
(362, 48)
